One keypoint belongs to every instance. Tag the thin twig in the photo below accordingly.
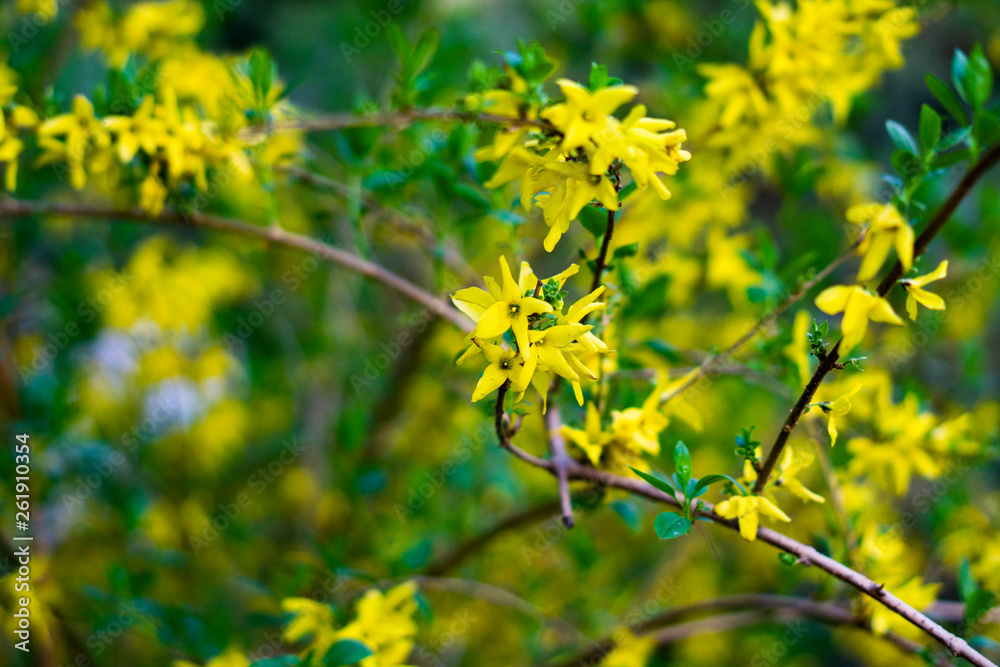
(13, 208)
(806, 555)
(342, 121)
(560, 461)
(602, 256)
(401, 221)
(759, 603)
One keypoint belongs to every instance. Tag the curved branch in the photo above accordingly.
(19, 209)
(806, 555)
(763, 608)
(342, 121)
(829, 362)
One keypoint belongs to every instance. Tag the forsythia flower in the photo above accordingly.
(887, 228)
(633, 433)
(859, 306)
(501, 309)
(791, 464)
(505, 365)
(547, 340)
(74, 137)
(747, 510)
(566, 167)
(837, 409)
(916, 294)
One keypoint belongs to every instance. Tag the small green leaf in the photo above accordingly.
(977, 605)
(959, 69)
(346, 652)
(682, 464)
(598, 76)
(947, 98)
(907, 164)
(950, 159)
(986, 128)
(966, 584)
(669, 525)
(787, 559)
(424, 50)
(708, 480)
(626, 251)
(657, 482)
(978, 80)
(930, 128)
(901, 138)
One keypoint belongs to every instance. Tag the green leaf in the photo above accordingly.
(901, 138)
(966, 584)
(953, 139)
(950, 159)
(657, 482)
(594, 220)
(626, 251)
(708, 480)
(930, 128)
(907, 164)
(424, 49)
(598, 76)
(977, 605)
(986, 128)
(400, 46)
(346, 652)
(669, 525)
(682, 464)
(978, 78)
(947, 98)
(959, 69)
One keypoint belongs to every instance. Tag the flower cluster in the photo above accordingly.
(545, 341)
(633, 433)
(569, 154)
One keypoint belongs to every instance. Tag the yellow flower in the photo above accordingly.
(504, 365)
(80, 133)
(859, 306)
(629, 651)
(839, 408)
(747, 509)
(503, 307)
(592, 439)
(798, 349)
(584, 114)
(887, 229)
(639, 428)
(548, 345)
(916, 294)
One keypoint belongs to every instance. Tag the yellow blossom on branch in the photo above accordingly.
(859, 306)
(915, 292)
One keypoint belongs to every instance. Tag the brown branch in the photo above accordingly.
(806, 555)
(769, 607)
(602, 255)
(560, 461)
(459, 554)
(451, 257)
(829, 362)
(342, 121)
(13, 208)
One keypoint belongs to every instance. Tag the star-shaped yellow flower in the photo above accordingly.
(916, 294)
(503, 307)
(584, 114)
(747, 510)
(859, 306)
(505, 364)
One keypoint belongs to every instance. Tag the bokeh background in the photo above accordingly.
(167, 376)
